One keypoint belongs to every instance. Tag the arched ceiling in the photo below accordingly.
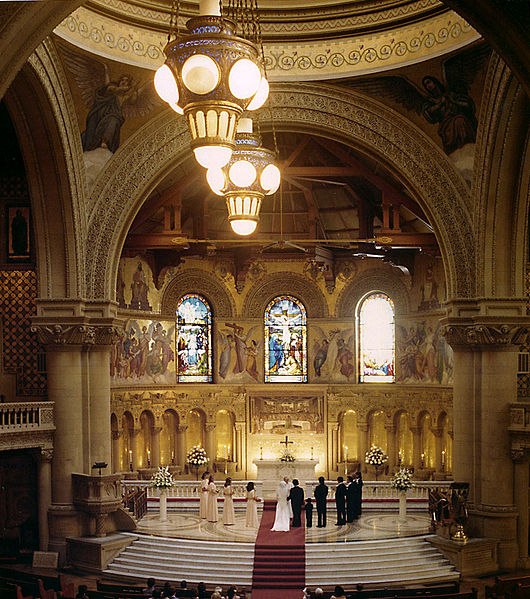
(304, 40)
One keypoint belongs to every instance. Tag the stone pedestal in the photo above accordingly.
(478, 557)
(271, 472)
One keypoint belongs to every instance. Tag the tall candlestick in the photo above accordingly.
(130, 460)
(345, 459)
(311, 453)
(261, 452)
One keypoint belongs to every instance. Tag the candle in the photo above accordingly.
(345, 453)
(226, 452)
(311, 453)
(261, 452)
(172, 457)
(148, 457)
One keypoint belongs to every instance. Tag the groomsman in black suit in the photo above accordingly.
(296, 497)
(321, 494)
(340, 501)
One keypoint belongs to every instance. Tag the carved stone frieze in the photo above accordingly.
(77, 334)
(480, 334)
(280, 283)
(193, 281)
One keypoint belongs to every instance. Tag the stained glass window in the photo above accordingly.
(194, 340)
(285, 341)
(376, 339)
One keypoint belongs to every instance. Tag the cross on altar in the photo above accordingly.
(286, 442)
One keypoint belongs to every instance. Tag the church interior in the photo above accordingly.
(378, 296)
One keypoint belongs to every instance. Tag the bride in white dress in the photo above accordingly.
(281, 521)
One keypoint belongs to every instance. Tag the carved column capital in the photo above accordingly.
(46, 455)
(493, 336)
(182, 428)
(209, 427)
(77, 334)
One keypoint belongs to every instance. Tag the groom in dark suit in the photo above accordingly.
(296, 497)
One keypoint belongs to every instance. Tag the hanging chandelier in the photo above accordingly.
(211, 75)
(249, 176)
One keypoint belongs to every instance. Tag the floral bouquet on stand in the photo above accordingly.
(377, 458)
(162, 478)
(196, 458)
(402, 480)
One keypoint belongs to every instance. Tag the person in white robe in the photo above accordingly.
(281, 520)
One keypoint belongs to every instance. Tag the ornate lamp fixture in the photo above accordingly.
(211, 76)
(248, 177)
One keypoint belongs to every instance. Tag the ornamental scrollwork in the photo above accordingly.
(76, 334)
(485, 334)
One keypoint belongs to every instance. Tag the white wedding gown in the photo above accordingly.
(281, 520)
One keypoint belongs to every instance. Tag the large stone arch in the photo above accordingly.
(198, 281)
(372, 280)
(316, 108)
(502, 185)
(285, 283)
(46, 124)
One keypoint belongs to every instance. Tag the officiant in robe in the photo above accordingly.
(296, 497)
(340, 501)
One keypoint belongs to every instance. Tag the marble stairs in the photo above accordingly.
(212, 562)
(385, 562)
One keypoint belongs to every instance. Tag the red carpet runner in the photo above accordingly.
(279, 560)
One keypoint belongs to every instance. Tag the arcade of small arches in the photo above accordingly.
(144, 438)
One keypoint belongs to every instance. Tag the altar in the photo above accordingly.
(271, 472)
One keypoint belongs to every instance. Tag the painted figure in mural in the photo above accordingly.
(225, 357)
(321, 353)
(252, 354)
(333, 355)
(429, 291)
(445, 102)
(110, 101)
(139, 290)
(344, 358)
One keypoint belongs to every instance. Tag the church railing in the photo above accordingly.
(190, 489)
(383, 491)
(26, 416)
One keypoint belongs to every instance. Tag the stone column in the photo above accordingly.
(416, 447)
(392, 453)
(210, 442)
(133, 440)
(333, 446)
(44, 495)
(362, 427)
(181, 447)
(116, 467)
(99, 405)
(521, 502)
(485, 384)
(76, 336)
(155, 449)
(438, 449)
(240, 454)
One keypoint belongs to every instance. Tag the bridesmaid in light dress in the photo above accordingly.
(252, 506)
(203, 506)
(229, 517)
(211, 510)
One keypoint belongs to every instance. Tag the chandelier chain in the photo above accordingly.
(173, 21)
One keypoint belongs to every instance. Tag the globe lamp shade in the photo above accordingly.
(261, 95)
(212, 156)
(244, 79)
(243, 227)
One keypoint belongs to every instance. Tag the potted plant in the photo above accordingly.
(162, 480)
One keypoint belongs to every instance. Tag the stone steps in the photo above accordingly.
(384, 562)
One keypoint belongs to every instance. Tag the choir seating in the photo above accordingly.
(509, 587)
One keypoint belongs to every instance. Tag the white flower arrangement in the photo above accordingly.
(162, 478)
(402, 480)
(287, 456)
(197, 456)
(375, 456)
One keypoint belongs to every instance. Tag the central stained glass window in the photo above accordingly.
(285, 341)
(376, 339)
(194, 340)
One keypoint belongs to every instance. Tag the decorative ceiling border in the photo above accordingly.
(338, 57)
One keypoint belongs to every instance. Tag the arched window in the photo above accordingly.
(285, 341)
(376, 339)
(194, 340)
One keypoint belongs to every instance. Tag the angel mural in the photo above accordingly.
(110, 101)
(238, 353)
(444, 102)
(144, 354)
(333, 354)
(423, 354)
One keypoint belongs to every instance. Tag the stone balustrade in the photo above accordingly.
(24, 416)
(190, 489)
(372, 490)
